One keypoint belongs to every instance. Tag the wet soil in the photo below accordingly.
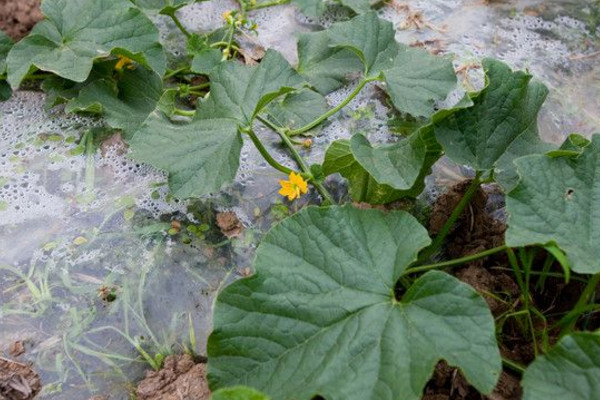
(17, 17)
(475, 231)
(181, 378)
(18, 381)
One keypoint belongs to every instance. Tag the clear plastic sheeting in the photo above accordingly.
(101, 267)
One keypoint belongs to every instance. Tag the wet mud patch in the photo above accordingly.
(18, 381)
(17, 17)
(180, 378)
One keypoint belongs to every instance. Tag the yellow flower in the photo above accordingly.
(124, 61)
(293, 188)
(226, 15)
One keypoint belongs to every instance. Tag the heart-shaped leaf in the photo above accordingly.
(126, 103)
(570, 371)
(500, 127)
(200, 156)
(414, 78)
(74, 33)
(320, 316)
(556, 201)
(379, 175)
(163, 6)
(316, 8)
(5, 46)
(240, 92)
(238, 393)
(297, 109)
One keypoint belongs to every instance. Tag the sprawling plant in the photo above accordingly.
(345, 302)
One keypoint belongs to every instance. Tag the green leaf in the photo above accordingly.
(204, 61)
(163, 6)
(240, 91)
(238, 393)
(320, 316)
(59, 90)
(297, 109)
(380, 175)
(199, 156)
(556, 201)
(311, 8)
(500, 127)
(365, 45)
(418, 80)
(126, 103)
(5, 46)
(324, 67)
(74, 33)
(202, 155)
(570, 371)
(571, 147)
(5, 91)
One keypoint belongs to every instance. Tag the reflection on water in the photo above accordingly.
(100, 267)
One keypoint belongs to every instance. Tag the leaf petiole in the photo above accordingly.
(333, 111)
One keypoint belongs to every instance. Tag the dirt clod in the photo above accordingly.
(17, 348)
(179, 379)
(18, 381)
(17, 17)
(229, 224)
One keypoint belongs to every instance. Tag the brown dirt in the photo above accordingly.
(179, 379)
(474, 232)
(449, 384)
(229, 224)
(17, 17)
(18, 381)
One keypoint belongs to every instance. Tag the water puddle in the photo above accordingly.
(100, 267)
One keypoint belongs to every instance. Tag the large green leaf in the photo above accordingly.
(379, 175)
(414, 78)
(297, 109)
(76, 32)
(200, 156)
(239, 91)
(5, 46)
(500, 127)
(316, 8)
(570, 371)
(238, 393)
(163, 6)
(326, 68)
(203, 154)
(320, 316)
(556, 201)
(126, 103)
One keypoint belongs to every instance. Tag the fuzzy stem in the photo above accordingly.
(179, 24)
(568, 321)
(263, 152)
(458, 261)
(439, 239)
(266, 4)
(298, 158)
(331, 112)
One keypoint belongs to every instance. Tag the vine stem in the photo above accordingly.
(458, 261)
(568, 321)
(263, 152)
(298, 158)
(265, 4)
(179, 24)
(456, 213)
(333, 111)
